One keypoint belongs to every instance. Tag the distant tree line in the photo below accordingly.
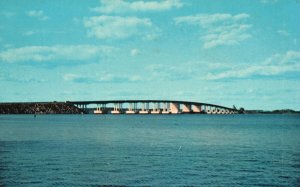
(39, 108)
(282, 111)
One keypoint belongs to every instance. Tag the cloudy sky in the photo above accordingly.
(223, 52)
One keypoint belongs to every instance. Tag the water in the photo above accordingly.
(151, 150)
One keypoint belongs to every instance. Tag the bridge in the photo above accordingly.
(151, 107)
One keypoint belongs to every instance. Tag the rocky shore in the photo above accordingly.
(39, 108)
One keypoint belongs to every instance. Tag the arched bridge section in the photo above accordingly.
(151, 107)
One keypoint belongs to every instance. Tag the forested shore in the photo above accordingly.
(39, 108)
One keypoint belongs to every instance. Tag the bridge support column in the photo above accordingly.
(214, 110)
(186, 108)
(117, 108)
(156, 108)
(100, 109)
(208, 109)
(145, 108)
(204, 108)
(174, 107)
(223, 111)
(131, 109)
(219, 111)
(166, 109)
(135, 106)
(197, 108)
(84, 108)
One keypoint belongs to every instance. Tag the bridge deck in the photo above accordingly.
(147, 101)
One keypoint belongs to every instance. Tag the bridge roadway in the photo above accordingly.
(169, 106)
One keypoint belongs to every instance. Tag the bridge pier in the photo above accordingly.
(100, 109)
(220, 111)
(208, 110)
(131, 109)
(145, 108)
(156, 108)
(197, 108)
(166, 109)
(117, 108)
(174, 107)
(214, 110)
(186, 108)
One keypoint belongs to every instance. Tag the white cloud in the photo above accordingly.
(103, 27)
(155, 72)
(28, 76)
(29, 33)
(39, 14)
(134, 52)
(104, 77)
(70, 77)
(206, 20)
(56, 52)
(275, 65)
(283, 32)
(219, 29)
(119, 6)
(180, 72)
(268, 1)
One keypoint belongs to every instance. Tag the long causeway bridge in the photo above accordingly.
(151, 107)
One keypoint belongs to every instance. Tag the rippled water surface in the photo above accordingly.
(155, 150)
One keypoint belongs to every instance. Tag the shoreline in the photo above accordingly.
(39, 108)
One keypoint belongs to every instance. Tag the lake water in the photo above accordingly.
(151, 150)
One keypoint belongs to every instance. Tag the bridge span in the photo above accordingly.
(151, 107)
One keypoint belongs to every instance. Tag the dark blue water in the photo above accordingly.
(155, 150)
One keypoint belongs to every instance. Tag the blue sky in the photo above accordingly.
(223, 52)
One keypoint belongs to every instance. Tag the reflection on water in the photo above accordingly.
(87, 150)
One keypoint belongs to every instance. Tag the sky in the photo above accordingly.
(227, 52)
